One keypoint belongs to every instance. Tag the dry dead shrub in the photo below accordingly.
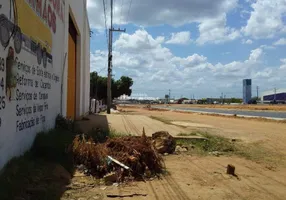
(135, 152)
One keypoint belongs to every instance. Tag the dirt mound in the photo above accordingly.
(137, 153)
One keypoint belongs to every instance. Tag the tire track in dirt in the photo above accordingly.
(262, 189)
(125, 124)
(174, 186)
(147, 124)
(256, 171)
(268, 177)
(153, 190)
(120, 192)
(168, 189)
(257, 187)
(131, 125)
(211, 178)
(135, 127)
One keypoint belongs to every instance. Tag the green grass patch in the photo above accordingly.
(113, 133)
(165, 121)
(213, 143)
(194, 133)
(100, 136)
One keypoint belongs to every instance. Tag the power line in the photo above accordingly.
(120, 19)
(104, 9)
(128, 11)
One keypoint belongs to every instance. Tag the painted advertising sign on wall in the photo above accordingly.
(31, 63)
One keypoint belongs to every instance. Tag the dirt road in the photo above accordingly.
(269, 134)
(133, 124)
(130, 124)
(190, 176)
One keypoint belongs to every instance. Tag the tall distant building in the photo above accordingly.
(246, 90)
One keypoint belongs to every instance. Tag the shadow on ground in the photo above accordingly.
(45, 171)
(41, 173)
(91, 122)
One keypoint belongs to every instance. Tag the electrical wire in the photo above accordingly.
(120, 19)
(104, 9)
(129, 11)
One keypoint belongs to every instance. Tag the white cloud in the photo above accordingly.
(183, 37)
(246, 41)
(140, 40)
(149, 12)
(207, 13)
(215, 31)
(200, 81)
(266, 19)
(281, 41)
(190, 61)
(283, 66)
(160, 39)
(255, 54)
(267, 47)
(265, 73)
(155, 67)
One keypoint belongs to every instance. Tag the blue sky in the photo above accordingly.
(200, 47)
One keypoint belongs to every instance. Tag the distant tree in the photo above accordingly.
(123, 86)
(235, 100)
(93, 81)
(180, 101)
(98, 86)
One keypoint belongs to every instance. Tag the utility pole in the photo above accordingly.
(109, 70)
(169, 95)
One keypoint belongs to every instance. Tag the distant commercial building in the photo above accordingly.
(246, 90)
(278, 95)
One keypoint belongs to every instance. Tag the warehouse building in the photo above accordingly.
(274, 96)
(44, 69)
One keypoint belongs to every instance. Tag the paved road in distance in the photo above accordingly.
(266, 114)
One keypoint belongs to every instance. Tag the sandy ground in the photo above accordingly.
(269, 134)
(131, 124)
(193, 176)
(134, 124)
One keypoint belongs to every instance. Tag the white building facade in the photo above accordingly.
(44, 68)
